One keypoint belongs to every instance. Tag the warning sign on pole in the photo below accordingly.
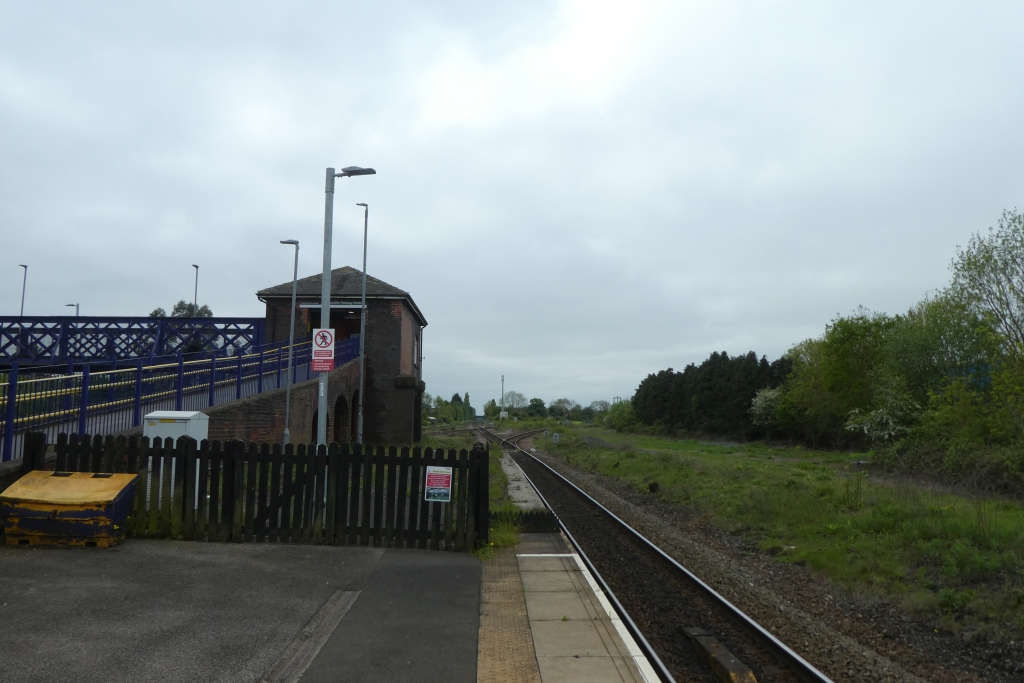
(323, 350)
(439, 484)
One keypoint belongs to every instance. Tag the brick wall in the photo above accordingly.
(261, 418)
(392, 388)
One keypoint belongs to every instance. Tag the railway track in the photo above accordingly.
(687, 630)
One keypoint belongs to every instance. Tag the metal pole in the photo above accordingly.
(195, 295)
(325, 302)
(362, 329)
(24, 281)
(502, 394)
(291, 349)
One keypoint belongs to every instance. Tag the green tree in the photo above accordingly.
(185, 309)
(988, 276)
(491, 409)
(536, 408)
(514, 399)
(620, 415)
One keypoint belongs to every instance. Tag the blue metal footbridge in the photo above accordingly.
(90, 375)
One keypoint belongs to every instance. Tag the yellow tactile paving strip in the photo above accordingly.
(505, 653)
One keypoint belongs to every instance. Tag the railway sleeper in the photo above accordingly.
(725, 665)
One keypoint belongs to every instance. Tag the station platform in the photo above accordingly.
(544, 618)
(162, 610)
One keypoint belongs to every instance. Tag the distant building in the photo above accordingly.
(392, 406)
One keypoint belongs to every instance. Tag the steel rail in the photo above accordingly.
(801, 667)
(645, 647)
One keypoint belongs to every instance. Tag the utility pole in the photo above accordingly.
(286, 437)
(325, 286)
(325, 303)
(24, 281)
(362, 329)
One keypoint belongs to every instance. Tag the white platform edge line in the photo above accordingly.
(639, 658)
(545, 554)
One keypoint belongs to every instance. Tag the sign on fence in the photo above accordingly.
(344, 494)
(439, 484)
(323, 350)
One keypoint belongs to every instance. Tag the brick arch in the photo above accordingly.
(342, 422)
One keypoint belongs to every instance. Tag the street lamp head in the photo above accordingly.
(361, 204)
(195, 266)
(354, 170)
(70, 304)
(23, 266)
(295, 242)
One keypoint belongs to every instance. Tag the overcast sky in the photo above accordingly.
(576, 194)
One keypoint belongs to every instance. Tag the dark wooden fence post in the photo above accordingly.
(483, 497)
(378, 496)
(188, 474)
(402, 511)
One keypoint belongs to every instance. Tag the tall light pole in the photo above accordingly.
(76, 308)
(325, 284)
(291, 346)
(502, 396)
(195, 295)
(24, 281)
(362, 328)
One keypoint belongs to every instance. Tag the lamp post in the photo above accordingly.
(325, 284)
(291, 346)
(24, 281)
(362, 328)
(76, 308)
(195, 295)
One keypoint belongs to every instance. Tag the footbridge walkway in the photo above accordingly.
(102, 375)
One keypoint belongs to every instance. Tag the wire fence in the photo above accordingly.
(114, 400)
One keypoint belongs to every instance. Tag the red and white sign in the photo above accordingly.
(323, 350)
(438, 485)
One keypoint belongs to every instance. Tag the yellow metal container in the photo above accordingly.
(67, 508)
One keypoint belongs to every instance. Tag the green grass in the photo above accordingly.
(504, 531)
(952, 557)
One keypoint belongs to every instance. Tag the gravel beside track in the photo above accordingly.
(846, 640)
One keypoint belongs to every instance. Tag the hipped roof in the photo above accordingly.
(346, 282)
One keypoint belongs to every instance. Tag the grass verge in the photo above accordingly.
(505, 529)
(951, 558)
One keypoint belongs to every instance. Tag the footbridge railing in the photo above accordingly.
(74, 340)
(105, 401)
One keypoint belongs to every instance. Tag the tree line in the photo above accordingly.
(457, 409)
(517, 405)
(712, 398)
(940, 386)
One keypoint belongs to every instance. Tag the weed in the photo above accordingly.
(505, 527)
(953, 602)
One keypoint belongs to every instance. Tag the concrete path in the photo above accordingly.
(181, 611)
(415, 620)
(519, 490)
(576, 634)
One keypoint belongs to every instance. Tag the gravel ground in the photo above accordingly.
(848, 638)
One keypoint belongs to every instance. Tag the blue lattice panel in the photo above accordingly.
(75, 340)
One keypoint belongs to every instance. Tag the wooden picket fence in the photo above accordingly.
(235, 492)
